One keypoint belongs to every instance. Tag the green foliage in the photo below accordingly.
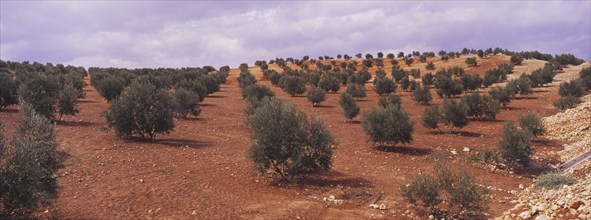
(141, 110)
(427, 79)
(572, 88)
(489, 79)
(567, 102)
(292, 85)
(503, 94)
(461, 191)
(245, 78)
(316, 96)
(29, 169)
(566, 59)
(514, 146)
(391, 99)
(431, 117)
(110, 87)
(516, 59)
(349, 105)
(422, 95)
(532, 123)
(522, 85)
(448, 87)
(67, 100)
(430, 66)
(405, 83)
(415, 73)
(471, 81)
(384, 86)
(196, 86)
(390, 125)
(186, 101)
(398, 74)
(8, 90)
(328, 82)
(408, 61)
(471, 61)
(484, 107)
(41, 93)
(286, 143)
(554, 180)
(585, 77)
(362, 77)
(454, 114)
(257, 92)
(356, 90)
(424, 190)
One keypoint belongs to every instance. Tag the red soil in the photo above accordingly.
(201, 169)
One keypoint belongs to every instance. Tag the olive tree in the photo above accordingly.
(8, 90)
(471, 61)
(454, 114)
(431, 117)
(316, 96)
(349, 105)
(391, 99)
(531, 122)
(390, 125)
(41, 93)
(286, 142)
(29, 166)
(292, 85)
(384, 86)
(422, 95)
(142, 110)
(186, 102)
(514, 146)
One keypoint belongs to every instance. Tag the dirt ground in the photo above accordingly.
(201, 169)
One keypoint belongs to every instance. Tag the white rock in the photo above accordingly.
(542, 217)
(466, 149)
(525, 215)
(521, 186)
(454, 152)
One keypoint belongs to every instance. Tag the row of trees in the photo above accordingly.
(51, 91)
(145, 101)
(571, 91)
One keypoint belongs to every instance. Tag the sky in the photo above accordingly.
(136, 34)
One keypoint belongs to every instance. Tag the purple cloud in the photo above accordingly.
(178, 34)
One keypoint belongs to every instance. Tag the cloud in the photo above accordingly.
(179, 34)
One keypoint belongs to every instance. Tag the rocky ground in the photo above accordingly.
(573, 125)
(565, 202)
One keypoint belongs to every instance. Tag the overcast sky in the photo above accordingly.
(186, 33)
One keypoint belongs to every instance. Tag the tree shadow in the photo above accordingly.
(511, 108)
(327, 179)
(486, 120)
(353, 122)
(459, 133)
(9, 110)
(525, 97)
(206, 104)
(87, 101)
(182, 143)
(536, 168)
(216, 96)
(193, 119)
(404, 150)
(546, 143)
(75, 123)
(324, 106)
